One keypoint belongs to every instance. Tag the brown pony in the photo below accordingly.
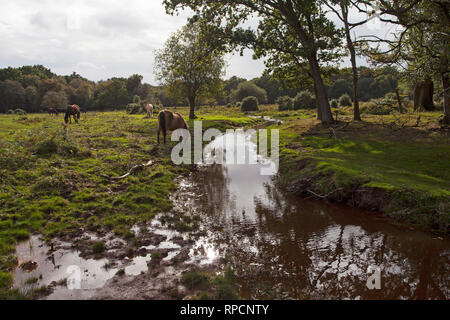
(74, 111)
(52, 111)
(149, 109)
(170, 121)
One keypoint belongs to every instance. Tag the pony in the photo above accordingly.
(74, 111)
(52, 111)
(170, 121)
(149, 109)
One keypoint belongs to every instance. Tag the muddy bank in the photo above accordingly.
(405, 207)
(150, 265)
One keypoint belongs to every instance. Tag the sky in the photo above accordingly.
(102, 39)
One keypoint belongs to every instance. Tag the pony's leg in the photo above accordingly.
(158, 135)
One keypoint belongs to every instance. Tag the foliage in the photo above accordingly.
(285, 103)
(334, 103)
(249, 104)
(189, 65)
(249, 89)
(304, 100)
(345, 101)
(53, 99)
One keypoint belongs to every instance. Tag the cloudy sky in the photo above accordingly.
(100, 39)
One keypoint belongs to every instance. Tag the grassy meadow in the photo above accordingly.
(56, 181)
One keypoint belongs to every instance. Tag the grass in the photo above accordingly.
(220, 287)
(55, 181)
(408, 166)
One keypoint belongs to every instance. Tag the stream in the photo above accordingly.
(279, 245)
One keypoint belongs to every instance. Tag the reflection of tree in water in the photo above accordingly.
(213, 181)
(312, 247)
(324, 251)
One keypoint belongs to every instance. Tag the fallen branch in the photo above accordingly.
(132, 170)
(323, 196)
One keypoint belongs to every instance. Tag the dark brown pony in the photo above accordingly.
(52, 111)
(74, 111)
(170, 121)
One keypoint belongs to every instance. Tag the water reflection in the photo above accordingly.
(284, 246)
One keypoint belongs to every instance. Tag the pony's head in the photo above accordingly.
(66, 117)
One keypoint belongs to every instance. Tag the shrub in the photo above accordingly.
(10, 111)
(345, 101)
(249, 104)
(285, 103)
(134, 108)
(378, 107)
(334, 103)
(20, 111)
(249, 89)
(304, 100)
(136, 99)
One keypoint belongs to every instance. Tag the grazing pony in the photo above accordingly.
(149, 109)
(52, 111)
(74, 111)
(170, 121)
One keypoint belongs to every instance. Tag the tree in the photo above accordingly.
(297, 29)
(189, 65)
(54, 99)
(12, 95)
(112, 94)
(133, 83)
(31, 99)
(344, 6)
(248, 89)
(421, 45)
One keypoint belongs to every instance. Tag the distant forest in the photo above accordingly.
(37, 88)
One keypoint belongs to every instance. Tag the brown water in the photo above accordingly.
(286, 247)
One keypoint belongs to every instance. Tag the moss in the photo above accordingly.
(98, 247)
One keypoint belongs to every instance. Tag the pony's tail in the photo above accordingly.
(162, 121)
(66, 117)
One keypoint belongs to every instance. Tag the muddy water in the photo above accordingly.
(285, 247)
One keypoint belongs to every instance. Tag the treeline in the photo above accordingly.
(36, 88)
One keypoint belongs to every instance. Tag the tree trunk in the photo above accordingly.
(191, 100)
(445, 86)
(323, 106)
(351, 49)
(399, 101)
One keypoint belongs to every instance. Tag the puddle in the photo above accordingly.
(56, 266)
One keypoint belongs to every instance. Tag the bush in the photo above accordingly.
(378, 107)
(134, 108)
(10, 111)
(249, 89)
(20, 111)
(334, 103)
(304, 100)
(285, 103)
(345, 101)
(136, 99)
(249, 104)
